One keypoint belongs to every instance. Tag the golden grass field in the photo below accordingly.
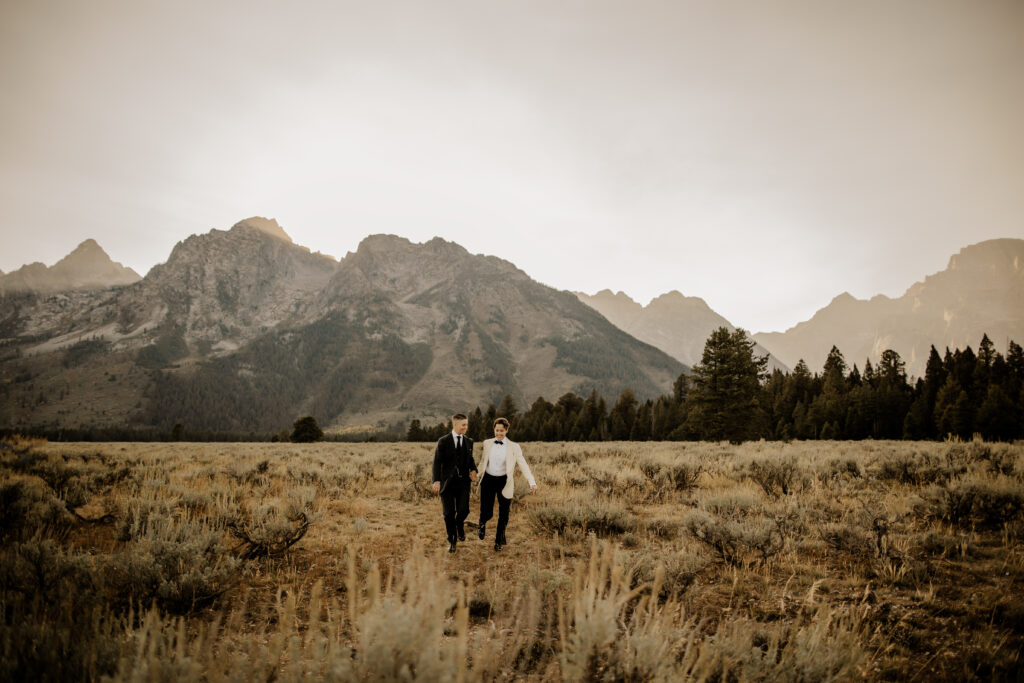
(803, 561)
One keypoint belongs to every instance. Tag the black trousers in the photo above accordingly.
(455, 504)
(490, 488)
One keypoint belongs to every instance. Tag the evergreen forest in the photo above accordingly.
(731, 396)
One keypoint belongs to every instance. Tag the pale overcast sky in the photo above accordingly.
(765, 156)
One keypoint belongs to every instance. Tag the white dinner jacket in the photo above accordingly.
(513, 458)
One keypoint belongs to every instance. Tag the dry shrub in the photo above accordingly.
(564, 457)
(71, 482)
(138, 513)
(255, 475)
(938, 543)
(400, 633)
(916, 468)
(732, 503)
(29, 508)
(601, 476)
(846, 538)
(777, 476)
(671, 473)
(271, 528)
(182, 565)
(40, 568)
(601, 517)
(679, 570)
(663, 527)
(997, 458)
(306, 473)
(73, 645)
(974, 500)
(824, 645)
(737, 542)
(839, 470)
(54, 626)
(392, 630)
(615, 630)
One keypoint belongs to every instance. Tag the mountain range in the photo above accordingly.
(678, 325)
(981, 291)
(243, 330)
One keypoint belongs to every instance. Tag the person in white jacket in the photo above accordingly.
(501, 458)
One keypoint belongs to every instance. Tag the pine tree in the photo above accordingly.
(508, 409)
(918, 423)
(953, 410)
(983, 367)
(934, 377)
(861, 411)
(415, 431)
(964, 365)
(998, 417)
(854, 379)
(831, 404)
(664, 419)
(306, 430)
(835, 372)
(476, 430)
(623, 416)
(1015, 361)
(723, 401)
(644, 423)
(680, 388)
(892, 396)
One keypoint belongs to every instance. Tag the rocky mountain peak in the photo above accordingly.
(268, 226)
(87, 267)
(990, 256)
(88, 246)
(405, 268)
(676, 300)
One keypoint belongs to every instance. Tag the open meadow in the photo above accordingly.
(804, 561)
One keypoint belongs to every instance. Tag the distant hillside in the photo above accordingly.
(243, 330)
(87, 267)
(678, 325)
(980, 291)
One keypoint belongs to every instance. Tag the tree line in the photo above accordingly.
(731, 396)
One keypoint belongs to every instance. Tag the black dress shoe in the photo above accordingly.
(451, 547)
(482, 531)
(497, 546)
(462, 536)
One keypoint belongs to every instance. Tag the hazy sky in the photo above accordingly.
(765, 156)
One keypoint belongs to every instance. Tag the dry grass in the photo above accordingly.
(766, 561)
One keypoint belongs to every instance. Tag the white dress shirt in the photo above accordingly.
(496, 461)
(457, 437)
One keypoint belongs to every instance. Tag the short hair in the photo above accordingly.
(458, 416)
(501, 421)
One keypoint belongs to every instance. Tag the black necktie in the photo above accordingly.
(458, 442)
(499, 443)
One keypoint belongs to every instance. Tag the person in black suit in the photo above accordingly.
(454, 469)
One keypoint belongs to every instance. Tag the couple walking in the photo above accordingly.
(455, 470)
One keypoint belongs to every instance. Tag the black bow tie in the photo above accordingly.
(499, 443)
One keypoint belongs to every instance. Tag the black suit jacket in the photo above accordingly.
(453, 463)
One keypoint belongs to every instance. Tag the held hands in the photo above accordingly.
(472, 476)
